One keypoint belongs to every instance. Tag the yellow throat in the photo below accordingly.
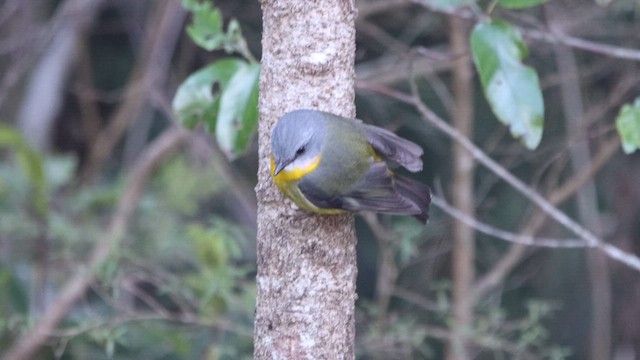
(287, 183)
(293, 172)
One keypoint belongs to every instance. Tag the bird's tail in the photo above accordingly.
(415, 192)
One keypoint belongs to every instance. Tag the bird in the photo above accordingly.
(329, 164)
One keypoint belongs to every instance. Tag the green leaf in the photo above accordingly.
(628, 125)
(520, 4)
(512, 89)
(32, 165)
(15, 299)
(231, 112)
(238, 114)
(206, 29)
(196, 100)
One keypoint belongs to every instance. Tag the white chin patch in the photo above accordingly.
(299, 164)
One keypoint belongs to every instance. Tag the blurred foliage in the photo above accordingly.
(520, 4)
(497, 333)
(181, 285)
(449, 5)
(207, 31)
(31, 165)
(171, 273)
(184, 192)
(628, 125)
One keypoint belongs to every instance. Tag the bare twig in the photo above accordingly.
(26, 346)
(500, 270)
(415, 299)
(392, 68)
(69, 14)
(487, 342)
(574, 42)
(524, 239)
(129, 285)
(188, 319)
(151, 69)
(89, 109)
(546, 36)
(385, 41)
(552, 211)
(570, 187)
(8, 9)
(387, 273)
(545, 205)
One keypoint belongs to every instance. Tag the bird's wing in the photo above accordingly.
(377, 192)
(394, 148)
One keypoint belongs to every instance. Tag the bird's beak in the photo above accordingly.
(279, 167)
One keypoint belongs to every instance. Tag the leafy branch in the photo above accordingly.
(222, 96)
(511, 88)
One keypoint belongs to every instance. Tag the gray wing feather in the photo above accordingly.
(394, 148)
(379, 191)
(376, 192)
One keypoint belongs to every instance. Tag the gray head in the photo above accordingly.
(297, 137)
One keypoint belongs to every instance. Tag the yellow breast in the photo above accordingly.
(287, 183)
(292, 172)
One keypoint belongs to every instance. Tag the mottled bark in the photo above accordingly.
(306, 263)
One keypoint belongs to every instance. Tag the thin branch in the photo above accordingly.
(187, 319)
(490, 342)
(545, 205)
(416, 299)
(607, 150)
(541, 35)
(385, 41)
(76, 286)
(69, 14)
(552, 211)
(500, 270)
(148, 299)
(387, 274)
(8, 9)
(152, 67)
(591, 46)
(558, 195)
(392, 68)
(524, 239)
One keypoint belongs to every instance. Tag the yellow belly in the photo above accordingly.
(287, 183)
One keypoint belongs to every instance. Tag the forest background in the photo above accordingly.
(104, 193)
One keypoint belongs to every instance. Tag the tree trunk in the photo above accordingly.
(306, 263)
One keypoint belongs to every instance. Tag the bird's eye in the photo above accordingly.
(301, 150)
